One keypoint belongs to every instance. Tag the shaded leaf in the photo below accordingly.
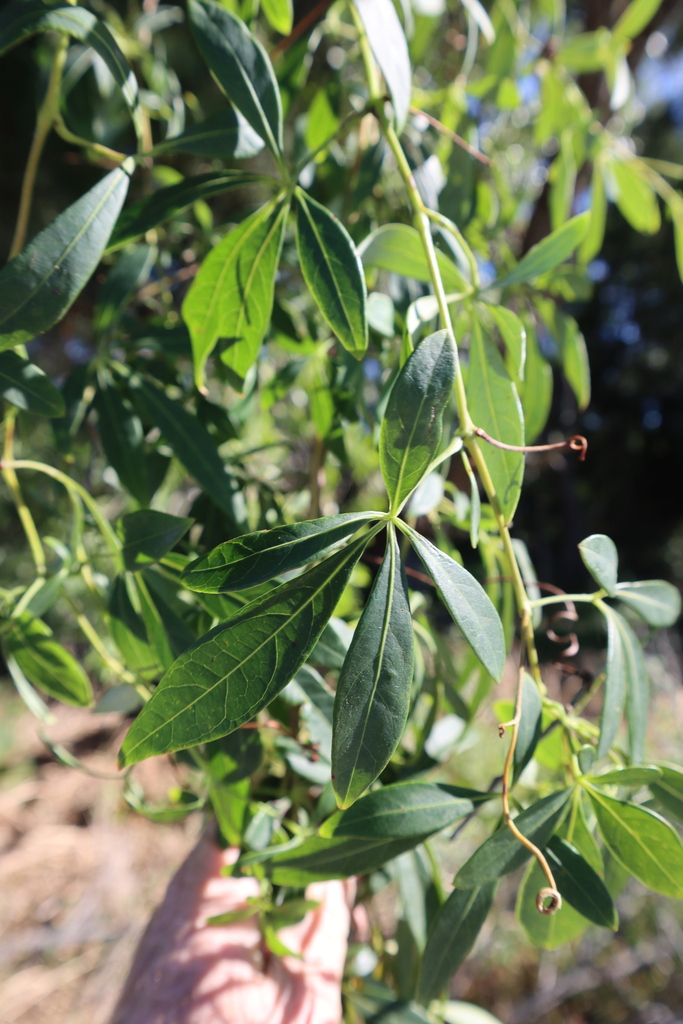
(513, 333)
(227, 135)
(123, 440)
(599, 555)
(398, 248)
(123, 280)
(148, 535)
(548, 253)
(45, 663)
(669, 789)
(638, 775)
(390, 49)
(26, 386)
(625, 678)
(402, 810)
(546, 931)
(580, 885)
(656, 601)
(536, 390)
(128, 629)
(529, 731)
(452, 936)
(319, 858)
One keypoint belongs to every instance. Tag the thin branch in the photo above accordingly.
(453, 136)
(301, 27)
(577, 443)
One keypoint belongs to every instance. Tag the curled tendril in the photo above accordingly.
(553, 906)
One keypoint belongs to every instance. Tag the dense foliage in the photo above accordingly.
(333, 389)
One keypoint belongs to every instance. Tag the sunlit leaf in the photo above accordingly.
(547, 254)
(599, 555)
(390, 49)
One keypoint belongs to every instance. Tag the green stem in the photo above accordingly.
(12, 482)
(560, 598)
(68, 136)
(47, 116)
(449, 226)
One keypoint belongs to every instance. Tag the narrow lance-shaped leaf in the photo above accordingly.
(333, 272)
(25, 385)
(513, 333)
(451, 938)
(547, 254)
(40, 284)
(320, 858)
(599, 555)
(257, 557)
(495, 407)
(397, 248)
(240, 666)
(642, 841)
(373, 692)
(167, 202)
(614, 692)
(123, 440)
(388, 43)
(241, 67)
(413, 420)
(529, 731)
(227, 135)
(634, 776)
(580, 885)
(45, 663)
(148, 535)
(502, 852)
(280, 14)
(129, 273)
(656, 601)
(468, 603)
(402, 810)
(637, 690)
(669, 790)
(536, 390)
(232, 295)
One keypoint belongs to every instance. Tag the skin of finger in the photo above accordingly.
(186, 972)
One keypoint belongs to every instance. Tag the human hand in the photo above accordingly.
(186, 972)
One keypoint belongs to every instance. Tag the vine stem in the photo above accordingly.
(551, 892)
(10, 477)
(48, 114)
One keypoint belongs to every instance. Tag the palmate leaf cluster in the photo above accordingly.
(365, 274)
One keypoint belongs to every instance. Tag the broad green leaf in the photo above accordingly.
(398, 248)
(148, 535)
(592, 243)
(232, 295)
(615, 686)
(536, 390)
(381, 314)
(234, 757)
(40, 284)
(390, 49)
(321, 124)
(513, 333)
(635, 198)
(412, 425)
(550, 252)
(547, 931)
(635, 18)
(162, 594)
(669, 789)
(230, 803)
(656, 601)
(638, 775)
(257, 557)
(123, 440)
(167, 202)
(280, 14)
(574, 357)
(128, 629)
(580, 885)
(495, 407)
(226, 135)
(25, 385)
(402, 810)
(240, 666)
(45, 663)
(529, 731)
(637, 689)
(374, 688)
(319, 858)
(21, 20)
(599, 555)
(467, 602)
(451, 938)
(192, 445)
(241, 67)
(642, 841)
(129, 273)
(502, 853)
(333, 272)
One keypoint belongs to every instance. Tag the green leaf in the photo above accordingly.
(333, 272)
(318, 858)
(247, 561)
(546, 931)
(25, 385)
(373, 692)
(192, 445)
(128, 629)
(280, 14)
(230, 802)
(187, 803)
(592, 243)
(123, 440)
(502, 853)
(40, 284)
(165, 203)
(226, 135)
(642, 841)
(123, 280)
(148, 535)
(580, 885)
(21, 20)
(536, 390)
(656, 601)
(467, 602)
(548, 253)
(574, 358)
(513, 333)
(402, 810)
(456, 1011)
(599, 555)
(390, 49)
(669, 789)
(635, 18)
(398, 248)
(529, 731)
(410, 435)
(635, 198)
(614, 694)
(638, 776)
(451, 938)
(495, 407)
(637, 689)
(45, 663)
(241, 67)
(232, 295)
(240, 666)
(381, 314)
